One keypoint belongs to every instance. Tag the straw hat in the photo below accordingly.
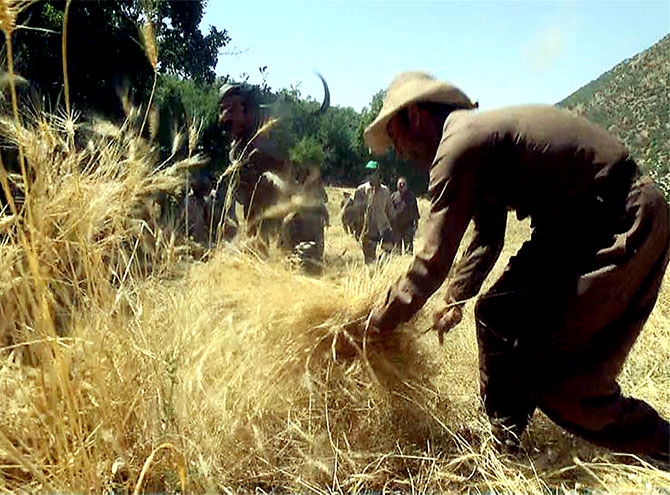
(411, 87)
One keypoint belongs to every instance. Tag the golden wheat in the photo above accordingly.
(237, 374)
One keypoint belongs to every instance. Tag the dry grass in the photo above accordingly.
(129, 367)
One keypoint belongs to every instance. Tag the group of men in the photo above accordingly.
(554, 331)
(263, 180)
(378, 218)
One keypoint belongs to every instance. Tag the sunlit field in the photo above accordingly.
(133, 361)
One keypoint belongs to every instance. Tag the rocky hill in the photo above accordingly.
(632, 100)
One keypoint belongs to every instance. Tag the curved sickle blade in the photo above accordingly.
(326, 95)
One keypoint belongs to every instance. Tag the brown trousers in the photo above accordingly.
(256, 202)
(305, 226)
(403, 239)
(370, 243)
(554, 331)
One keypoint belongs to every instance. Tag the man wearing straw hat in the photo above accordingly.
(555, 329)
(374, 199)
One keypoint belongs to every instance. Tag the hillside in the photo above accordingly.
(633, 101)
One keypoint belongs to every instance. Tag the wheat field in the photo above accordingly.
(132, 361)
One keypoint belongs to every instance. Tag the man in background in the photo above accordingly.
(375, 200)
(406, 219)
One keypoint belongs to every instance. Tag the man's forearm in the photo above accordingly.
(481, 255)
(444, 230)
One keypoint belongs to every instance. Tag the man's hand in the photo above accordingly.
(375, 322)
(445, 319)
(379, 325)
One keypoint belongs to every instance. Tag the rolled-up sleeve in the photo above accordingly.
(452, 184)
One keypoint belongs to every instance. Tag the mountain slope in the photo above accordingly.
(632, 100)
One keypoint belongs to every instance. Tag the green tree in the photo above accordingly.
(200, 104)
(337, 131)
(368, 114)
(307, 151)
(183, 49)
(105, 52)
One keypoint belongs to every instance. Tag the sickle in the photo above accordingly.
(326, 95)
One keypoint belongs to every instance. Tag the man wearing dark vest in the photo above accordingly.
(406, 218)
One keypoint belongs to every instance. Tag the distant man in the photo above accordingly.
(375, 200)
(406, 219)
(555, 329)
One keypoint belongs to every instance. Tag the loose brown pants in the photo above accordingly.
(255, 204)
(370, 243)
(554, 331)
(403, 240)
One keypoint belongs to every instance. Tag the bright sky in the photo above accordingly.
(499, 53)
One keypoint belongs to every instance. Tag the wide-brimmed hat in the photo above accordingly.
(371, 165)
(411, 87)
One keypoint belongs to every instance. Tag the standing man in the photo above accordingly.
(262, 176)
(406, 217)
(374, 198)
(555, 329)
(257, 160)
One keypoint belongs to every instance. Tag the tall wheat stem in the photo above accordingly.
(151, 50)
(66, 82)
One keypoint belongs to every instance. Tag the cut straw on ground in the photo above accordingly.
(127, 364)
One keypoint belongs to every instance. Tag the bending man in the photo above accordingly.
(555, 329)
